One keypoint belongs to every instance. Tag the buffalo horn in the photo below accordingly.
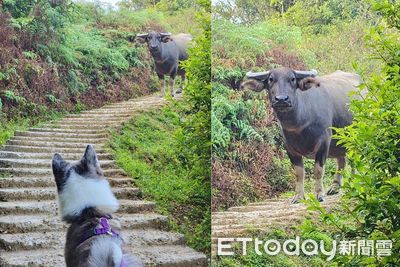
(260, 76)
(142, 35)
(301, 74)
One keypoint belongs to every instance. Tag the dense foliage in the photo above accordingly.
(373, 142)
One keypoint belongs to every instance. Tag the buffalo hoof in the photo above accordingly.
(161, 95)
(296, 199)
(334, 189)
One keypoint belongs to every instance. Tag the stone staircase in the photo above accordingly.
(261, 217)
(31, 232)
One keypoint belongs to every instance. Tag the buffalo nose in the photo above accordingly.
(282, 98)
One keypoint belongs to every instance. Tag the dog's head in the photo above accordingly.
(82, 185)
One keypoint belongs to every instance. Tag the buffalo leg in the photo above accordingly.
(319, 170)
(180, 89)
(161, 77)
(172, 85)
(337, 182)
(297, 162)
(172, 82)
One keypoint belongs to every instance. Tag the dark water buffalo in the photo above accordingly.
(306, 107)
(168, 51)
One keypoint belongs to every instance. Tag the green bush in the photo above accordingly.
(369, 208)
(373, 143)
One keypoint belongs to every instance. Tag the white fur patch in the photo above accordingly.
(79, 193)
(102, 249)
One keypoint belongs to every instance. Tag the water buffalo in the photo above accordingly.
(168, 51)
(307, 106)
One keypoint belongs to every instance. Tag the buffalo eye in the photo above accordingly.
(270, 79)
(293, 80)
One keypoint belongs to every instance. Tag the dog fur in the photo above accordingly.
(84, 197)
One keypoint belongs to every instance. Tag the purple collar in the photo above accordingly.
(103, 229)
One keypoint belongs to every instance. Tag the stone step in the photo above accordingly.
(26, 223)
(49, 156)
(49, 172)
(50, 206)
(75, 134)
(113, 110)
(38, 149)
(283, 204)
(100, 116)
(150, 255)
(56, 240)
(58, 130)
(48, 181)
(50, 193)
(86, 126)
(52, 144)
(100, 121)
(245, 229)
(42, 163)
(258, 217)
(59, 139)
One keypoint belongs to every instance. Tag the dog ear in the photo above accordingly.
(59, 166)
(90, 157)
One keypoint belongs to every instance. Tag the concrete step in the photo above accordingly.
(49, 156)
(47, 171)
(169, 256)
(53, 144)
(50, 206)
(150, 255)
(42, 163)
(48, 181)
(56, 240)
(100, 116)
(51, 134)
(38, 149)
(86, 126)
(59, 139)
(58, 130)
(27, 223)
(50, 193)
(96, 118)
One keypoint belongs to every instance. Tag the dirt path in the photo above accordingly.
(260, 216)
(31, 232)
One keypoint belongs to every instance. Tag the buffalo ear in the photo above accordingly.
(307, 83)
(166, 39)
(254, 85)
(141, 38)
